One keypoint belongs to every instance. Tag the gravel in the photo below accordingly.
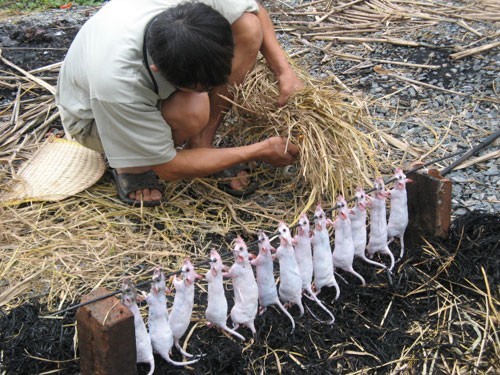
(424, 117)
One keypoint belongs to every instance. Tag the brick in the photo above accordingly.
(429, 204)
(106, 337)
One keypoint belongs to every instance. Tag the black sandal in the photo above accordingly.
(227, 174)
(127, 183)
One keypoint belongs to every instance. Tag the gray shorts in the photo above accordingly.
(89, 137)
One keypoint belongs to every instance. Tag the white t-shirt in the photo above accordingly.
(104, 79)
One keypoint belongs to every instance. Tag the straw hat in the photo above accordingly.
(59, 169)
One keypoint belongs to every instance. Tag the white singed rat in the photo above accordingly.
(290, 289)
(303, 255)
(322, 253)
(378, 223)
(358, 226)
(303, 251)
(180, 315)
(343, 252)
(398, 215)
(246, 294)
(160, 332)
(143, 345)
(268, 295)
(216, 312)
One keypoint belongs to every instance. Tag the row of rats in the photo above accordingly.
(351, 231)
(306, 265)
(304, 257)
(216, 311)
(383, 232)
(309, 253)
(163, 332)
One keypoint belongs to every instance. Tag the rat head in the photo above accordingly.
(319, 217)
(158, 281)
(214, 256)
(284, 234)
(264, 244)
(400, 179)
(360, 198)
(215, 262)
(342, 209)
(129, 293)
(188, 273)
(240, 250)
(380, 192)
(304, 226)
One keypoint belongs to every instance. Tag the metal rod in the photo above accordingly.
(471, 152)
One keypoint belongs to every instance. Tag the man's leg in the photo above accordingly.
(187, 113)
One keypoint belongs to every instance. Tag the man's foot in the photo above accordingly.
(136, 186)
(240, 181)
(236, 181)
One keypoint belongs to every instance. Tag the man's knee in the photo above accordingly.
(187, 113)
(89, 137)
(247, 31)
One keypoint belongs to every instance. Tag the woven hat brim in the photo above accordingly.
(59, 169)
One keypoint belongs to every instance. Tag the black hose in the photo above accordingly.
(474, 150)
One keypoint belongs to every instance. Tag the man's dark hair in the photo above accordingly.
(191, 44)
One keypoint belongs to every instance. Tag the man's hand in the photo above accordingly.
(279, 152)
(288, 83)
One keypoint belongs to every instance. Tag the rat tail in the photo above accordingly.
(232, 332)
(363, 256)
(320, 304)
(285, 311)
(389, 252)
(175, 363)
(182, 351)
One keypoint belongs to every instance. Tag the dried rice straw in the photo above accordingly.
(337, 153)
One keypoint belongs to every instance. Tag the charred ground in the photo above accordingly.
(374, 325)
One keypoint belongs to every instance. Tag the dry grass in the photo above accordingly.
(331, 127)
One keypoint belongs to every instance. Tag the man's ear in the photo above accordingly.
(154, 68)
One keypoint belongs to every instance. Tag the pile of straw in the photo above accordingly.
(331, 127)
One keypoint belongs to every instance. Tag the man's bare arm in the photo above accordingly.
(277, 60)
(201, 162)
